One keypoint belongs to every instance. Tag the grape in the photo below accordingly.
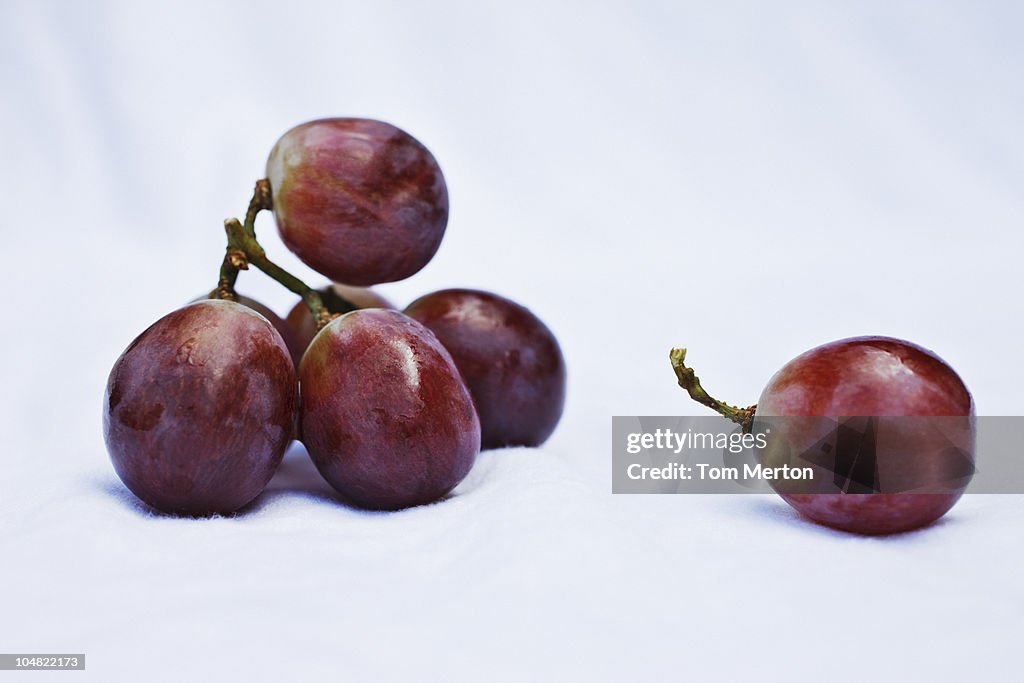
(509, 359)
(291, 340)
(385, 415)
(358, 200)
(199, 408)
(869, 376)
(300, 320)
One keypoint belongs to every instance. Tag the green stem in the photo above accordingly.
(689, 381)
(229, 268)
(262, 198)
(243, 249)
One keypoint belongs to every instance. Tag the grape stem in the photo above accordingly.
(688, 380)
(243, 249)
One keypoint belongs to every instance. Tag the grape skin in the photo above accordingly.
(282, 327)
(359, 201)
(869, 376)
(385, 416)
(509, 359)
(199, 409)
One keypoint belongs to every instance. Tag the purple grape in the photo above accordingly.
(385, 415)
(869, 376)
(358, 200)
(509, 359)
(199, 408)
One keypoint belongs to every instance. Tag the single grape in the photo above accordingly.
(385, 415)
(870, 376)
(199, 408)
(358, 200)
(291, 340)
(509, 359)
(336, 298)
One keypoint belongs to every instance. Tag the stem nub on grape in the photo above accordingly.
(338, 299)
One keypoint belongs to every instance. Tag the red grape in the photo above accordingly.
(385, 415)
(300, 320)
(358, 200)
(199, 408)
(509, 359)
(870, 376)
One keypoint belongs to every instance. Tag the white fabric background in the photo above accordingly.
(746, 179)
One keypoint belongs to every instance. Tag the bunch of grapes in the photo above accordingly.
(392, 406)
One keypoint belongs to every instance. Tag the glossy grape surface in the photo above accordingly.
(358, 200)
(870, 376)
(509, 359)
(385, 416)
(282, 327)
(300, 320)
(199, 408)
